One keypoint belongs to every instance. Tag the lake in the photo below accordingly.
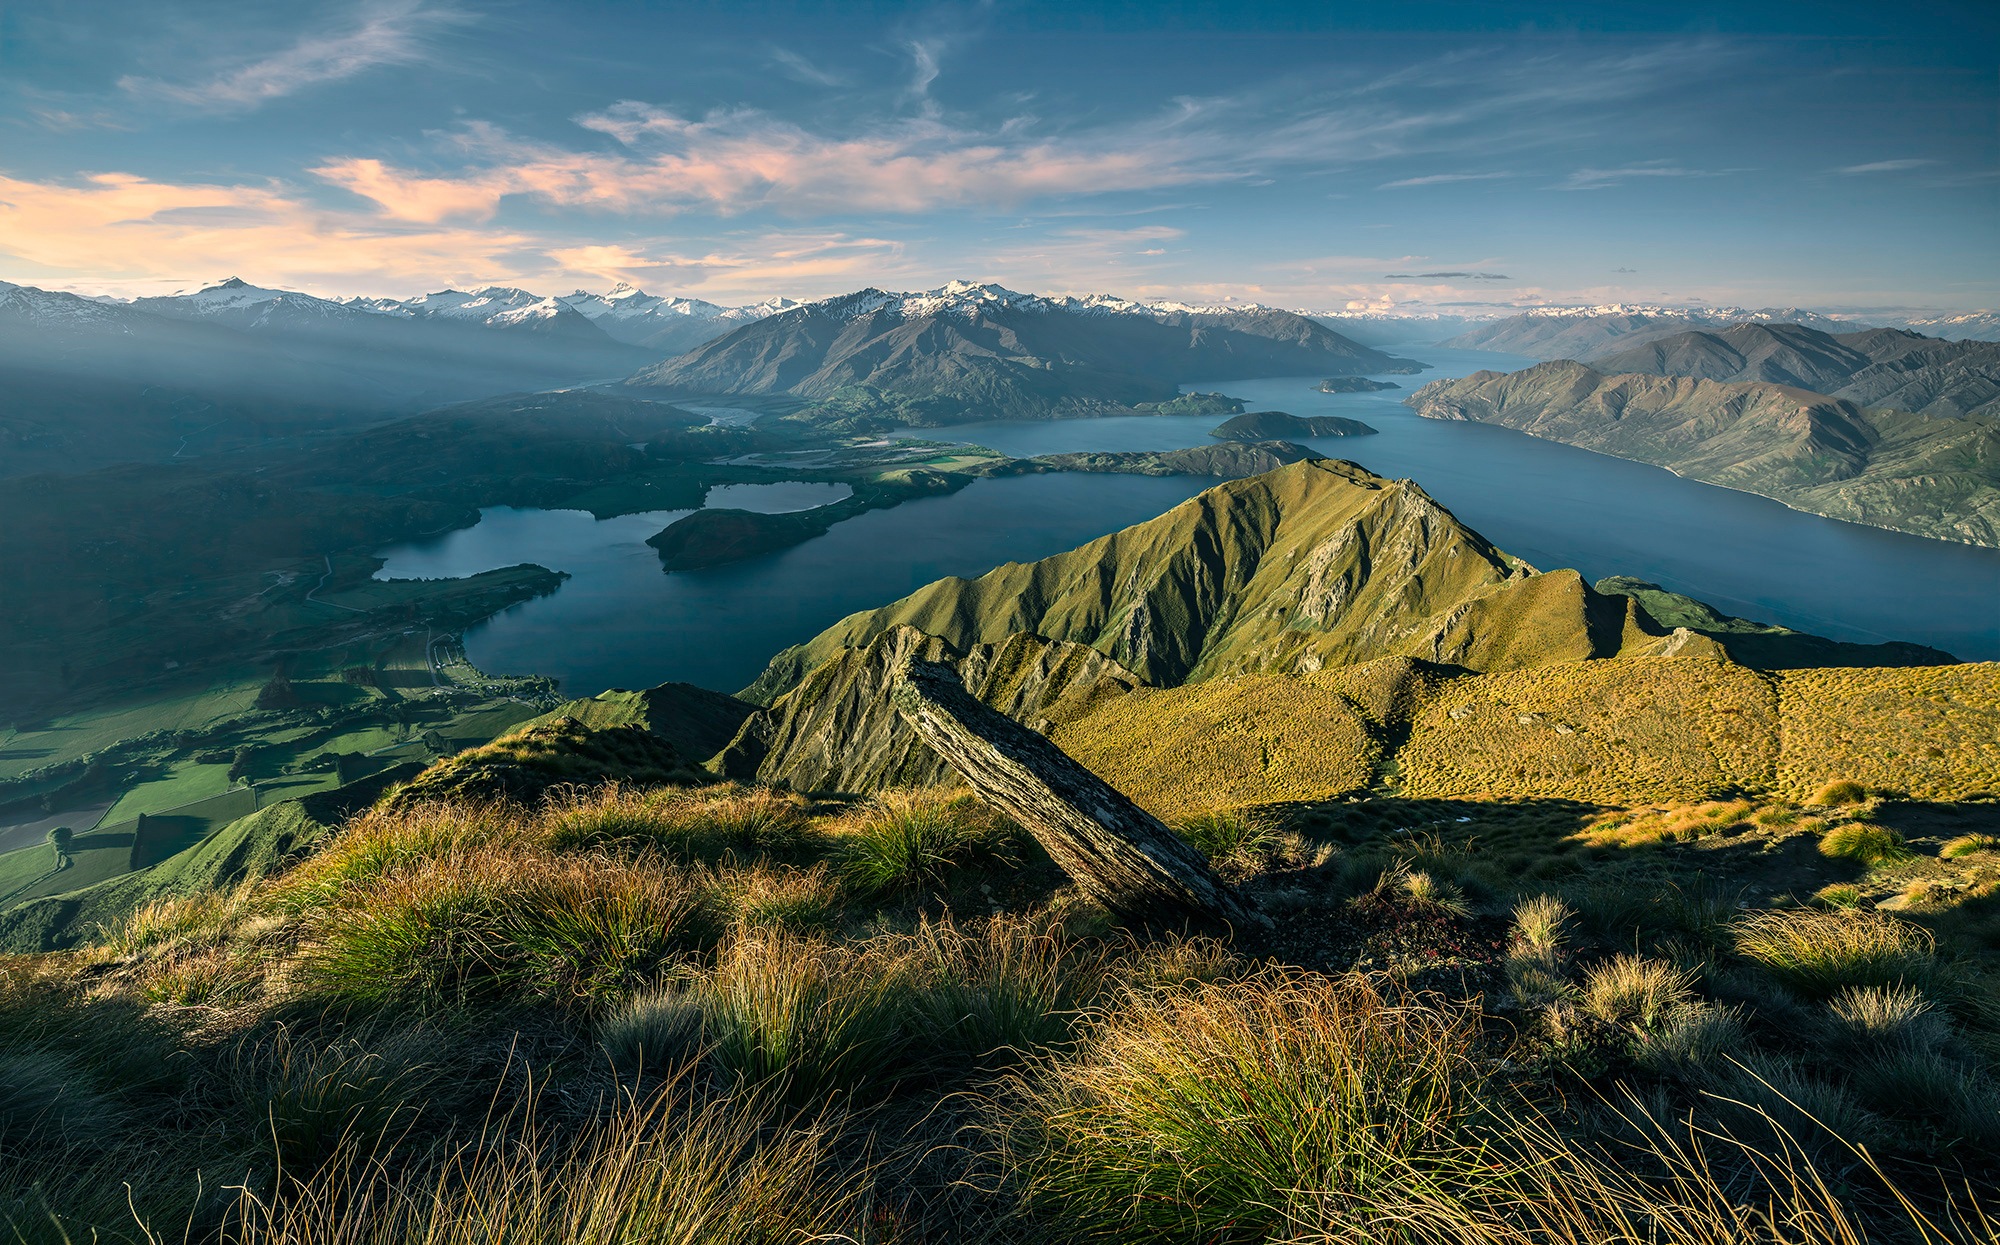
(621, 622)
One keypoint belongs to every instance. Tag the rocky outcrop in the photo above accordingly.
(836, 731)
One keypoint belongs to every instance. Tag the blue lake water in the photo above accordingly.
(621, 622)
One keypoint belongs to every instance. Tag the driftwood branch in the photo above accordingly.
(1118, 853)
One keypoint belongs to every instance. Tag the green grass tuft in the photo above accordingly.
(1869, 844)
(1821, 953)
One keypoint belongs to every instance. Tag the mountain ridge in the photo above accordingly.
(1829, 456)
(982, 350)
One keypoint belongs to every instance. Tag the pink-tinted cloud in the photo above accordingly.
(120, 228)
(740, 161)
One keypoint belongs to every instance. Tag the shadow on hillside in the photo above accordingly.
(1915, 819)
(1514, 845)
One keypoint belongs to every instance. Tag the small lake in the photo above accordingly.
(621, 622)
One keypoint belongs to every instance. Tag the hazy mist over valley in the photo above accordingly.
(999, 622)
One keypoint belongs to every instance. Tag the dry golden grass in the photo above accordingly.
(1680, 824)
(1623, 731)
(1932, 732)
(1615, 732)
(1224, 744)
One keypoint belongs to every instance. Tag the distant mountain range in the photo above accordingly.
(1931, 476)
(1587, 332)
(1876, 367)
(983, 350)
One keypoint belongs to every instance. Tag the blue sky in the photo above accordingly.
(1322, 156)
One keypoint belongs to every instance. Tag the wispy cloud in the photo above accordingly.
(1446, 276)
(1884, 166)
(1441, 179)
(382, 33)
(738, 161)
(799, 69)
(1602, 179)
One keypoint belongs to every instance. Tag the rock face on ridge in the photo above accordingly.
(837, 730)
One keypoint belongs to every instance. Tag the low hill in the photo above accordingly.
(985, 352)
(1282, 425)
(1931, 477)
(1230, 460)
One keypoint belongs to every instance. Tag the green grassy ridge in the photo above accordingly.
(1317, 564)
(1763, 645)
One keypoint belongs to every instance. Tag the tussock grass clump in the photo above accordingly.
(1821, 953)
(1541, 925)
(1427, 892)
(196, 920)
(1691, 1039)
(1231, 838)
(1630, 990)
(798, 899)
(383, 840)
(1535, 949)
(1010, 987)
(1869, 844)
(1254, 1110)
(813, 1019)
(312, 1098)
(1863, 1021)
(653, 1031)
(1838, 895)
(1839, 792)
(907, 840)
(497, 926)
(1932, 1087)
(1648, 910)
(1681, 824)
(1967, 845)
(802, 1017)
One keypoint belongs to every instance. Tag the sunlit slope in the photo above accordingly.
(1622, 731)
(1313, 565)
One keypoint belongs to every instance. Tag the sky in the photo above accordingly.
(1328, 156)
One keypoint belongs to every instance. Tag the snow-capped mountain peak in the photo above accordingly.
(973, 298)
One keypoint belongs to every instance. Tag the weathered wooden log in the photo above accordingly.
(1119, 854)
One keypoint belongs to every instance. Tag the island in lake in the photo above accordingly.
(1283, 426)
(1354, 384)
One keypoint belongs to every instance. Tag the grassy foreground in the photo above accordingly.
(728, 1014)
